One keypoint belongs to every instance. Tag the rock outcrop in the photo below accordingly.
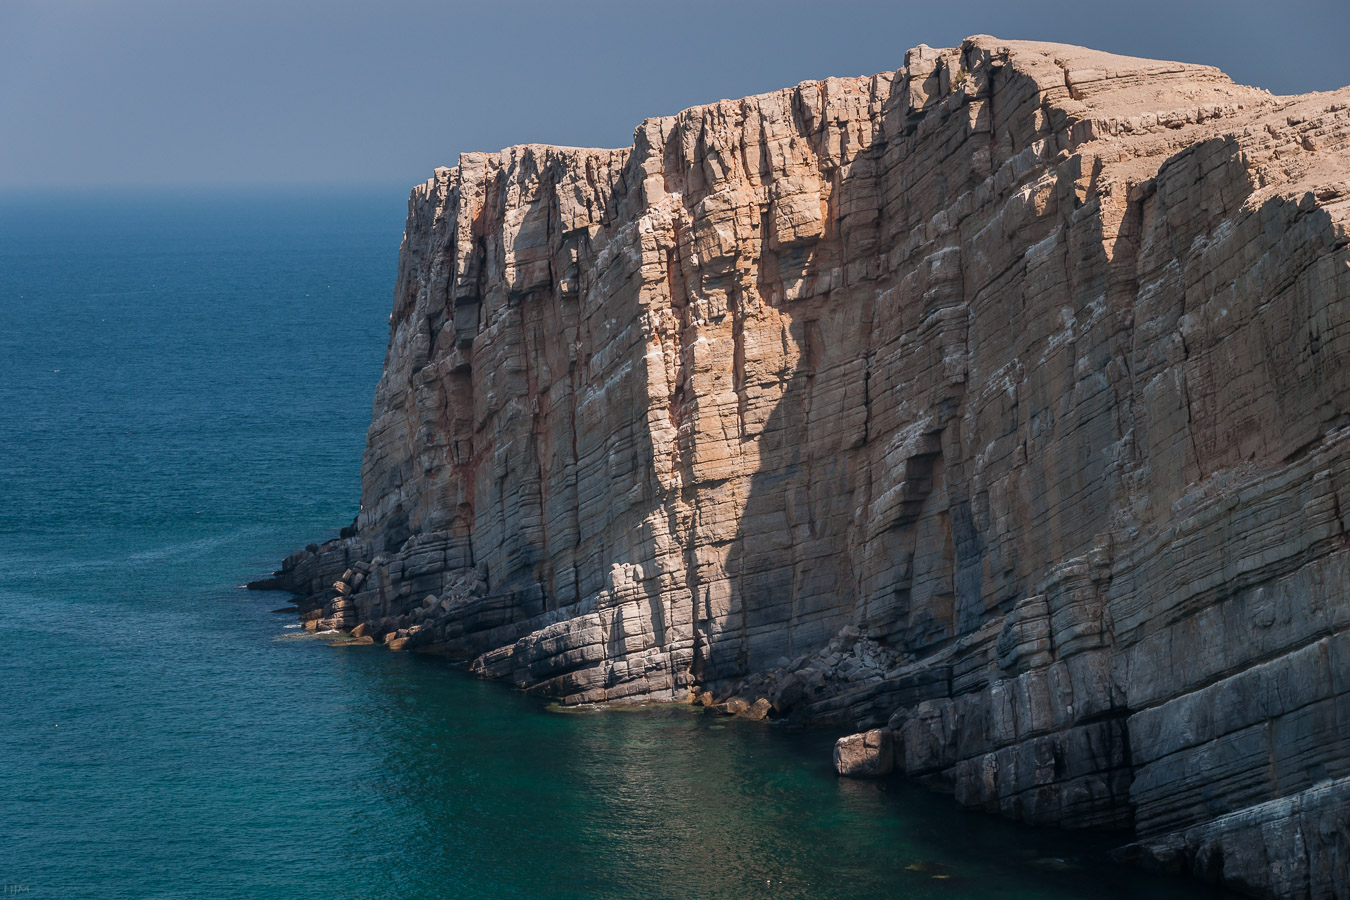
(1000, 402)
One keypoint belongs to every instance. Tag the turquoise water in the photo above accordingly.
(184, 388)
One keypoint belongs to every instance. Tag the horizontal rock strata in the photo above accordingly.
(1000, 402)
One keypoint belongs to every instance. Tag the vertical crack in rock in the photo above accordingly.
(996, 405)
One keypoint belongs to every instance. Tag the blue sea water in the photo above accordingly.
(185, 382)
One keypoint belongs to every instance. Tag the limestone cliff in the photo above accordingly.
(1001, 402)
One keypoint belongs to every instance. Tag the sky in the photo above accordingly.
(173, 93)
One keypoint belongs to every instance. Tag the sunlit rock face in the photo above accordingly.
(1000, 402)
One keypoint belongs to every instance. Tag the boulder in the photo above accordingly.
(868, 754)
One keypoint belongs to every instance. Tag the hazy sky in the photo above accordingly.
(174, 92)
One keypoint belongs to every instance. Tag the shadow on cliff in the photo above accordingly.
(931, 568)
(803, 564)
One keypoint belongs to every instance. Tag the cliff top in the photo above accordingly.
(1071, 78)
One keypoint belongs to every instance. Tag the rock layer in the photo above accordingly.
(999, 402)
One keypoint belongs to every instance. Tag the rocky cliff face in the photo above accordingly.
(1000, 402)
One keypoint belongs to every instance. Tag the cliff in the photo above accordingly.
(1000, 402)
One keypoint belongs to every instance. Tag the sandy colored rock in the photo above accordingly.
(866, 755)
(1007, 393)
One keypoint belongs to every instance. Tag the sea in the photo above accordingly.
(185, 383)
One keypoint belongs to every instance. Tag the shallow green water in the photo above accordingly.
(184, 389)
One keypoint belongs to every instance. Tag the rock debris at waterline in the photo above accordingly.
(997, 405)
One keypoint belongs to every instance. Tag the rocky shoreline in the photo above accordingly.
(994, 412)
